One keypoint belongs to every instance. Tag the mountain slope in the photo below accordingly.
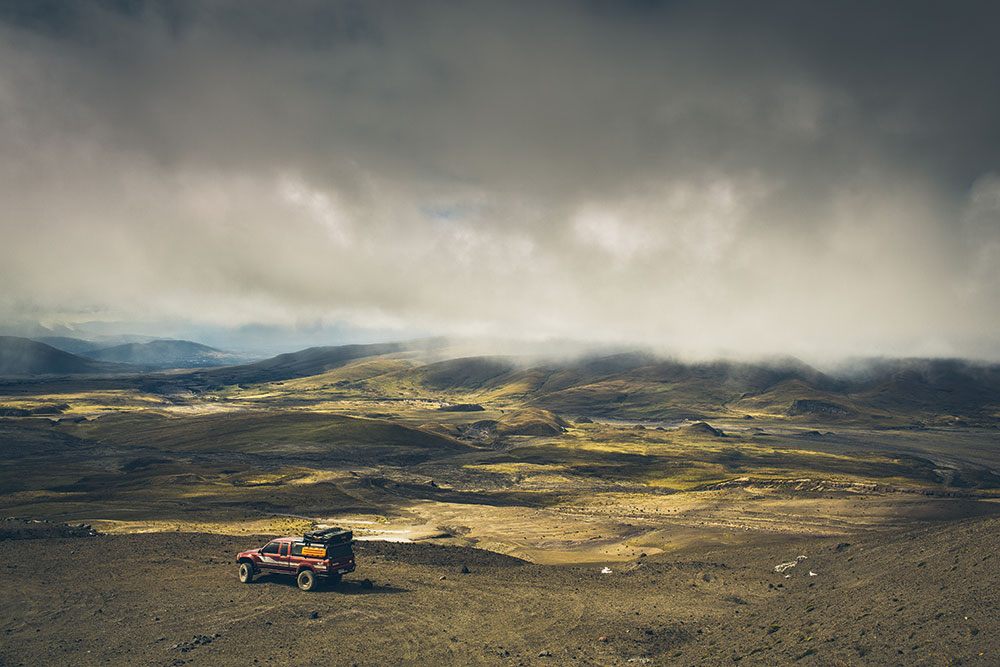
(166, 354)
(312, 361)
(76, 346)
(931, 387)
(631, 385)
(21, 356)
(642, 386)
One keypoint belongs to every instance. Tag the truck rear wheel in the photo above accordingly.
(306, 580)
(246, 573)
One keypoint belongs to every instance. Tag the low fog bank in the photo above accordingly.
(565, 351)
(264, 341)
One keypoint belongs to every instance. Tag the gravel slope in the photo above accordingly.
(926, 596)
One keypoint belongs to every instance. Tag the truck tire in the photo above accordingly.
(306, 580)
(246, 572)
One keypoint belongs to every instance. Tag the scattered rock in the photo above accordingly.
(807, 406)
(462, 407)
(545, 654)
(367, 584)
(781, 567)
(485, 429)
(196, 640)
(464, 570)
(12, 528)
(603, 639)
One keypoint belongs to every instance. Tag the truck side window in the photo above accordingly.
(271, 548)
(284, 548)
(297, 549)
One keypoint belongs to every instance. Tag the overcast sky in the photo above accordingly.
(813, 178)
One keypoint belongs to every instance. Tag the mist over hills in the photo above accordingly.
(635, 385)
(643, 386)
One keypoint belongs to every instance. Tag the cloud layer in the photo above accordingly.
(705, 177)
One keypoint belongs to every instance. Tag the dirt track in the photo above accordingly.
(929, 596)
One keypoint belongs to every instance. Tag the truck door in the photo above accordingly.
(283, 559)
(270, 558)
(295, 557)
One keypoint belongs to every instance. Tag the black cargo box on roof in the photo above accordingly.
(329, 536)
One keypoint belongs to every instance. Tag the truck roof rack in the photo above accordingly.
(329, 536)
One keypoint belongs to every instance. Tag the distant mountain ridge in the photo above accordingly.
(157, 354)
(166, 354)
(25, 357)
(76, 346)
(642, 386)
(311, 361)
(628, 386)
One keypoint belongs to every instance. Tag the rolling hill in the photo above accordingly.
(311, 361)
(629, 386)
(644, 387)
(22, 356)
(276, 434)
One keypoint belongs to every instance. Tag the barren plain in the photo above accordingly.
(614, 510)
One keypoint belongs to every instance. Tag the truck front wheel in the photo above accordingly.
(246, 572)
(306, 580)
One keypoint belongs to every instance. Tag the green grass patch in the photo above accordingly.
(263, 433)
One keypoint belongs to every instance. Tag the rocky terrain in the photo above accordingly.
(926, 596)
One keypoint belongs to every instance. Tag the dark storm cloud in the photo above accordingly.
(819, 178)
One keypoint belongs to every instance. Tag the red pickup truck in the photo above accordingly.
(326, 553)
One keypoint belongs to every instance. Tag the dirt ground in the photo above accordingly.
(919, 596)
